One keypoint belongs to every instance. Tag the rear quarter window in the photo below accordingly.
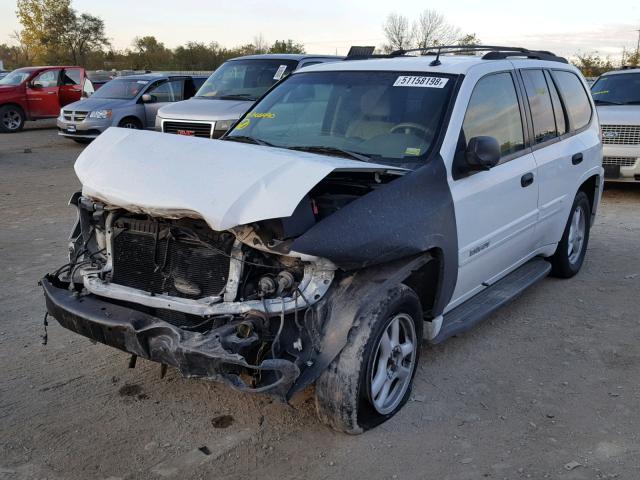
(574, 97)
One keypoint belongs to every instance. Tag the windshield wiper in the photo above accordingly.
(606, 102)
(332, 151)
(237, 96)
(248, 139)
(632, 102)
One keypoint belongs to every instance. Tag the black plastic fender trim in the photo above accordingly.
(406, 217)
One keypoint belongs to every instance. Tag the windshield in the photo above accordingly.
(619, 89)
(16, 77)
(245, 79)
(121, 89)
(387, 117)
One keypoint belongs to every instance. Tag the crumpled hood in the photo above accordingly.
(205, 109)
(225, 183)
(619, 114)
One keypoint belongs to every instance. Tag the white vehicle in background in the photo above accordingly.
(229, 92)
(617, 98)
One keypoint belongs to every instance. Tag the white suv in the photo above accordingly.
(357, 208)
(617, 98)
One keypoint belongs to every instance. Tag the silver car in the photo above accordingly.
(129, 102)
(229, 92)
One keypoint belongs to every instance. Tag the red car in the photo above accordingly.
(32, 93)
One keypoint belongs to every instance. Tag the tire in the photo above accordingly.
(130, 122)
(83, 141)
(569, 256)
(344, 393)
(11, 119)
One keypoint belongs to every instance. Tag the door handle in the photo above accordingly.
(526, 179)
(577, 158)
(51, 93)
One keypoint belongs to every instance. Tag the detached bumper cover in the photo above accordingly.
(194, 354)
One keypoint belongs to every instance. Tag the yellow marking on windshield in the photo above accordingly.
(261, 115)
(243, 124)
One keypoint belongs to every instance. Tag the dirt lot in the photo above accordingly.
(547, 388)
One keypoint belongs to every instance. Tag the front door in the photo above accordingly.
(162, 94)
(496, 210)
(42, 94)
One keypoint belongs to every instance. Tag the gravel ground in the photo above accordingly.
(546, 388)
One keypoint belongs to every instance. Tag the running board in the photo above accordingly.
(473, 311)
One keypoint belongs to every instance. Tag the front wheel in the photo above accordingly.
(569, 256)
(372, 378)
(130, 122)
(11, 119)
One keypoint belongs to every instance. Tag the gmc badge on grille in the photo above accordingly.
(188, 133)
(186, 287)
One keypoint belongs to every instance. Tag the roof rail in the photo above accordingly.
(493, 52)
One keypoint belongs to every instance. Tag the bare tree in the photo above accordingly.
(431, 28)
(260, 44)
(397, 33)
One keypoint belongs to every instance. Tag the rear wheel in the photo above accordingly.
(130, 122)
(569, 256)
(11, 119)
(372, 378)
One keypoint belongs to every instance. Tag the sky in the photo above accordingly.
(329, 26)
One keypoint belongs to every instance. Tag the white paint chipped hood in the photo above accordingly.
(225, 183)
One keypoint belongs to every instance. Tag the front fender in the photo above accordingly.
(343, 305)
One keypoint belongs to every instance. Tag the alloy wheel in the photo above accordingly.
(12, 119)
(394, 362)
(577, 233)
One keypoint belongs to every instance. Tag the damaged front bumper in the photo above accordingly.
(199, 355)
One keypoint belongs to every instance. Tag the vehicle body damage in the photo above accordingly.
(237, 262)
(355, 206)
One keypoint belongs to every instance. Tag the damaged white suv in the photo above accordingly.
(357, 208)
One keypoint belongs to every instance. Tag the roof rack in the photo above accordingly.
(493, 52)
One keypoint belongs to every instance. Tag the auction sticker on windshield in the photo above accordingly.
(280, 72)
(419, 81)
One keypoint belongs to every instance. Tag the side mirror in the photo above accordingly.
(35, 86)
(147, 98)
(482, 153)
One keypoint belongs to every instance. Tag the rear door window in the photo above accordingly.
(544, 123)
(494, 111)
(574, 97)
(71, 76)
(558, 110)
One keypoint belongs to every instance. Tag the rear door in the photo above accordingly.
(496, 210)
(162, 94)
(42, 94)
(70, 86)
(562, 155)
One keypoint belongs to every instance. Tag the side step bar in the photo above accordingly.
(476, 309)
